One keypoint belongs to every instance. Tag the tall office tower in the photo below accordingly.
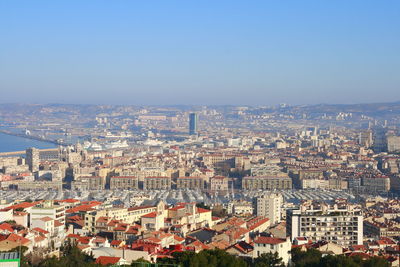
(342, 226)
(312, 130)
(32, 159)
(365, 138)
(193, 123)
(379, 136)
(269, 205)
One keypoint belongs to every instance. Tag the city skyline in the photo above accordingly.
(200, 133)
(199, 53)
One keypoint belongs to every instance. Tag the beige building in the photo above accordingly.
(376, 184)
(88, 183)
(223, 163)
(127, 215)
(154, 220)
(189, 183)
(266, 182)
(314, 184)
(124, 182)
(381, 229)
(219, 183)
(393, 144)
(269, 205)
(48, 209)
(157, 182)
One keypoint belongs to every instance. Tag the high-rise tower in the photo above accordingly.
(193, 123)
(32, 159)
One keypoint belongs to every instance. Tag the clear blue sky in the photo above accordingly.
(199, 52)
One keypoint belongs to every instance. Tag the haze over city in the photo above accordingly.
(205, 52)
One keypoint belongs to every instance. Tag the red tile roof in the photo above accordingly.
(258, 221)
(39, 238)
(6, 227)
(106, 260)
(201, 210)
(84, 207)
(68, 200)
(18, 239)
(73, 236)
(150, 215)
(140, 208)
(268, 240)
(22, 205)
(46, 219)
(40, 230)
(178, 238)
(58, 223)
(115, 242)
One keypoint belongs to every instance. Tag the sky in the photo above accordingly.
(199, 52)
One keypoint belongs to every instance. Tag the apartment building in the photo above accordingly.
(342, 226)
(219, 183)
(157, 183)
(190, 183)
(269, 205)
(376, 184)
(266, 182)
(265, 245)
(124, 182)
(48, 209)
(88, 183)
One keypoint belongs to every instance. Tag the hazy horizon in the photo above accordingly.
(206, 53)
(198, 105)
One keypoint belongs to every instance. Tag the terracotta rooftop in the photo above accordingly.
(106, 260)
(268, 240)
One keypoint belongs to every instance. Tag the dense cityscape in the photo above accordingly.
(199, 133)
(185, 185)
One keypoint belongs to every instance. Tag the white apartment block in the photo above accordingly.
(342, 226)
(265, 245)
(269, 205)
(48, 209)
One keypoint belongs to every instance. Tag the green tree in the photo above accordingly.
(311, 257)
(140, 263)
(205, 258)
(338, 261)
(268, 260)
(314, 258)
(375, 262)
(202, 205)
(71, 256)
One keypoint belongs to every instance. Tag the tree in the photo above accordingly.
(314, 258)
(269, 260)
(375, 262)
(70, 256)
(219, 211)
(140, 263)
(182, 258)
(338, 261)
(202, 205)
(311, 257)
(209, 258)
